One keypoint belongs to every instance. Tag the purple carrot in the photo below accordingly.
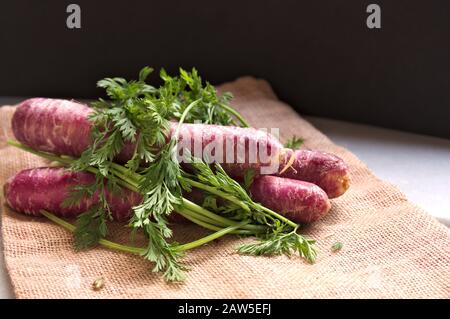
(299, 201)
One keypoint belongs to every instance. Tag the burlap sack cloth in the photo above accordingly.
(391, 248)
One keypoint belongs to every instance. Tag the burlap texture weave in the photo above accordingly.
(391, 247)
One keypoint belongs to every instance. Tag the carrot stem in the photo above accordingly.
(106, 243)
(211, 237)
(236, 114)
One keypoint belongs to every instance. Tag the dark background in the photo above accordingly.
(319, 55)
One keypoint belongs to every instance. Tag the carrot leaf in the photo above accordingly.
(294, 142)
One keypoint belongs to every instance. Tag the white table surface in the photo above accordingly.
(419, 165)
